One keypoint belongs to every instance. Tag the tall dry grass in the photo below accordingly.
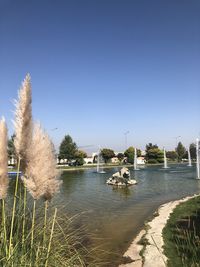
(41, 176)
(31, 232)
(23, 122)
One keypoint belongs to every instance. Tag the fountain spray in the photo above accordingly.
(165, 159)
(189, 158)
(135, 159)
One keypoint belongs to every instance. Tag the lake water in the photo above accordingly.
(114, 216)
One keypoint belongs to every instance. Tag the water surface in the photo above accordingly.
(113, 215)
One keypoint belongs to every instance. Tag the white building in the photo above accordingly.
(88, 160)
(141, 160)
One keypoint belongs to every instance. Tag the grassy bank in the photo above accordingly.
(182, 235)
(107, 166)
(92, 166)
(104, 166)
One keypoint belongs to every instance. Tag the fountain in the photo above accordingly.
(197, 160)
(189, 158)
(98, 162)
(135, 160)
(165, 159)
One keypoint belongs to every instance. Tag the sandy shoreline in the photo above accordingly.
(153, 252)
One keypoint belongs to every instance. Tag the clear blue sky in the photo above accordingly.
(100, 68)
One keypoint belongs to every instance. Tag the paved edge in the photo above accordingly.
(153, 252)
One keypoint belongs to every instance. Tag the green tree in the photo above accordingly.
(172, 155)
(154, 154)
(150, 146)
(130, 154)
(11, 147)
(67, 149)
(180, 151)
(139, 153)
(193, 151)
(120, 157)
(79, 157)
(160, 156)
(80, 154)
(79, 162)
(107, 154)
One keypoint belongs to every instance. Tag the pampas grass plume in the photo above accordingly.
(41, 176)
(23, 121)
(3, 159)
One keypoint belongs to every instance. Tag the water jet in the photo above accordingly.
(189, 158)
(165, 159)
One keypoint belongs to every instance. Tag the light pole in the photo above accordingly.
(125, 134)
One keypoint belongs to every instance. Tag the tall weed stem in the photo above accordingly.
(51, 236)
(45, 223)
(14, 208)
(4, 226)
(24, 217)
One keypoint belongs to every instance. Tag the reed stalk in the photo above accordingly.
(45, 223)
(37, 256)
(24, 217)
(51, 236)
(4, 226)
(33, 224)
(14, 208)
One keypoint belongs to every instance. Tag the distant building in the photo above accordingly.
(141, 160)
(11, 161)
(89, 160)
(114, 160)
(93, 158)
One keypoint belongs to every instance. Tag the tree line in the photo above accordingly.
(68, 150)
(153, 154)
